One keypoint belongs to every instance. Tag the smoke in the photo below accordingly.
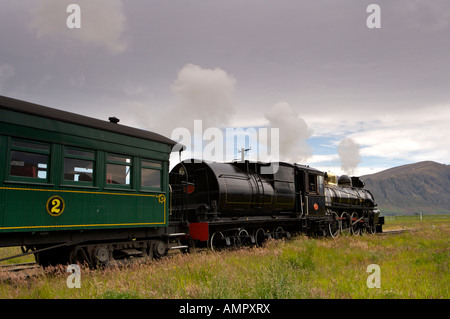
(203, 94)
(293, 132)
(348, 151)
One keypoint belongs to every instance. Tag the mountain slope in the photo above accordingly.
(420, 187)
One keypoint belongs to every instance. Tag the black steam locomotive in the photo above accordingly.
(239, 203)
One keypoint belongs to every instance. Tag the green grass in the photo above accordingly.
(414, 264)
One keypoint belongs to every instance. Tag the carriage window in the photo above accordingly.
(151, 175)
(29, 159)
(118, 170)
(79, 165)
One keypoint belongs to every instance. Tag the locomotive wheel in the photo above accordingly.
(354, 224)
(278, 233)
(216, 241)
(260, 237)
(372, 228)
(334, 226)
(242, 238)
(345, 223)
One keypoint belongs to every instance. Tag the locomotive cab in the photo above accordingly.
(310, 184)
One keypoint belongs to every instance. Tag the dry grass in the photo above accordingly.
(413, 265)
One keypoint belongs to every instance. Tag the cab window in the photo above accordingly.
(312, 183)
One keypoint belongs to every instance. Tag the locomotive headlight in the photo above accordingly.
(181, 171)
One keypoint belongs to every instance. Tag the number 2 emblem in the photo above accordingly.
(55, 205)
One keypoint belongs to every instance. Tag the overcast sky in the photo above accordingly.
(346, 98)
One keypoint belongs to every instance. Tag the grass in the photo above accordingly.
(413, 264)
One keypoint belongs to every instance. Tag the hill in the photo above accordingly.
(419, 187)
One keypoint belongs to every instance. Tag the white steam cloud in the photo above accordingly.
(203, 94)
(348, 151)
(294, 132)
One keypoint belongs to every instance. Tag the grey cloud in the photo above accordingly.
(102, 23)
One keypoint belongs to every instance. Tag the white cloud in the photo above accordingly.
(317, 159)
(414, 136)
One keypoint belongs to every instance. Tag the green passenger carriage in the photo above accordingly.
(64, 177)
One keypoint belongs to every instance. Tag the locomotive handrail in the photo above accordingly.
(234, 176)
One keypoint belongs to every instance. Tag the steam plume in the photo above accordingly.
(203, 94)
(293, 132)
(348, 151)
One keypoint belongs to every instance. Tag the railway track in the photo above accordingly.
(18, 267)
(395, 231)
(20, 271)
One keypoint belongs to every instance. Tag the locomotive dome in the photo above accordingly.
(344, 180)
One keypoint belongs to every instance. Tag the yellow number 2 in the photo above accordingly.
(55, 205)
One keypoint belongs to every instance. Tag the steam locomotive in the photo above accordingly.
(78, 189)
(234, 204)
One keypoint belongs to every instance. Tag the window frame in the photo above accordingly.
(30, 150)
(92, 159)
(315, 191)
(119, 163)
(149, 166)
